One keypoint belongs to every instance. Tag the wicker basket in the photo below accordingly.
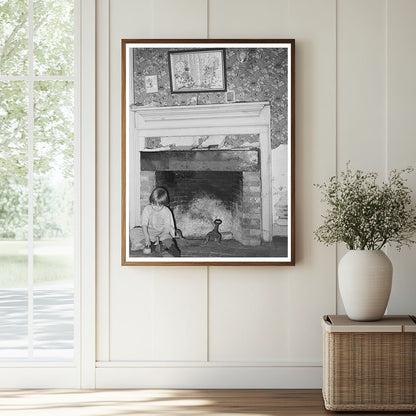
(369, 366)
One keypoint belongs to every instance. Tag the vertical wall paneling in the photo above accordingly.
(181, 19)
(361, 84)
(179, 316)
(361, 88)
(241, 19)
(311, 282)
(103, 176)
(248, 314)
(401, 139)
(207, 301)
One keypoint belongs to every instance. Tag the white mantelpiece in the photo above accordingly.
(201, 120)
(236, 118)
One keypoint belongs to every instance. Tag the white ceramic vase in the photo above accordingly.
(364, 278)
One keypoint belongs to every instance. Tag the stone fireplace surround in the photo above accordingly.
(254, 164)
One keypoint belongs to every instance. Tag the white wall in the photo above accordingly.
(254, 326)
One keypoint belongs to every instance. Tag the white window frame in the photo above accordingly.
(81, 371)
(87, 301)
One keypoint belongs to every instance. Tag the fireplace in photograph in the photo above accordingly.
(231, 183)
(205, 185)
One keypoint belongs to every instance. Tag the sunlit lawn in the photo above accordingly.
(53, 263)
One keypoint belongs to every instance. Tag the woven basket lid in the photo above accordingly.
(389, 323)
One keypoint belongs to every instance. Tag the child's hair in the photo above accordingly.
(159, 196)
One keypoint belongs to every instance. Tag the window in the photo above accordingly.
(38, 185)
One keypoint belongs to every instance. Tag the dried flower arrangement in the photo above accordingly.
(366, 215)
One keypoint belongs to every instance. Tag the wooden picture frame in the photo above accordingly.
(221, 173)
(197, 70)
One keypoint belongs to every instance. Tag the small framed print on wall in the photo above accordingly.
(208, 180)
(151, 83)
(230, 96)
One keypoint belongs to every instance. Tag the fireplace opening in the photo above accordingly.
(207, 185)
(198, 198)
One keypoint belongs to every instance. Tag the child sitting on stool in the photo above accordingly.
(158, 226)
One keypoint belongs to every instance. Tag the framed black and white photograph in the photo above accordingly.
(209, 182)
(197, 70)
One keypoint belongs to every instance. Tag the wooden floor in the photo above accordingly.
(165, 402)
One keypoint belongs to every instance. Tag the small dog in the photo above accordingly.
(214, 235)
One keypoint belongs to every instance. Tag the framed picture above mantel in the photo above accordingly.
(200, 70)
(208, 156)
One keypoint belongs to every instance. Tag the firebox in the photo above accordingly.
(205, 185)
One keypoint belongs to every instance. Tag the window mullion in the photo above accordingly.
(30, 178)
